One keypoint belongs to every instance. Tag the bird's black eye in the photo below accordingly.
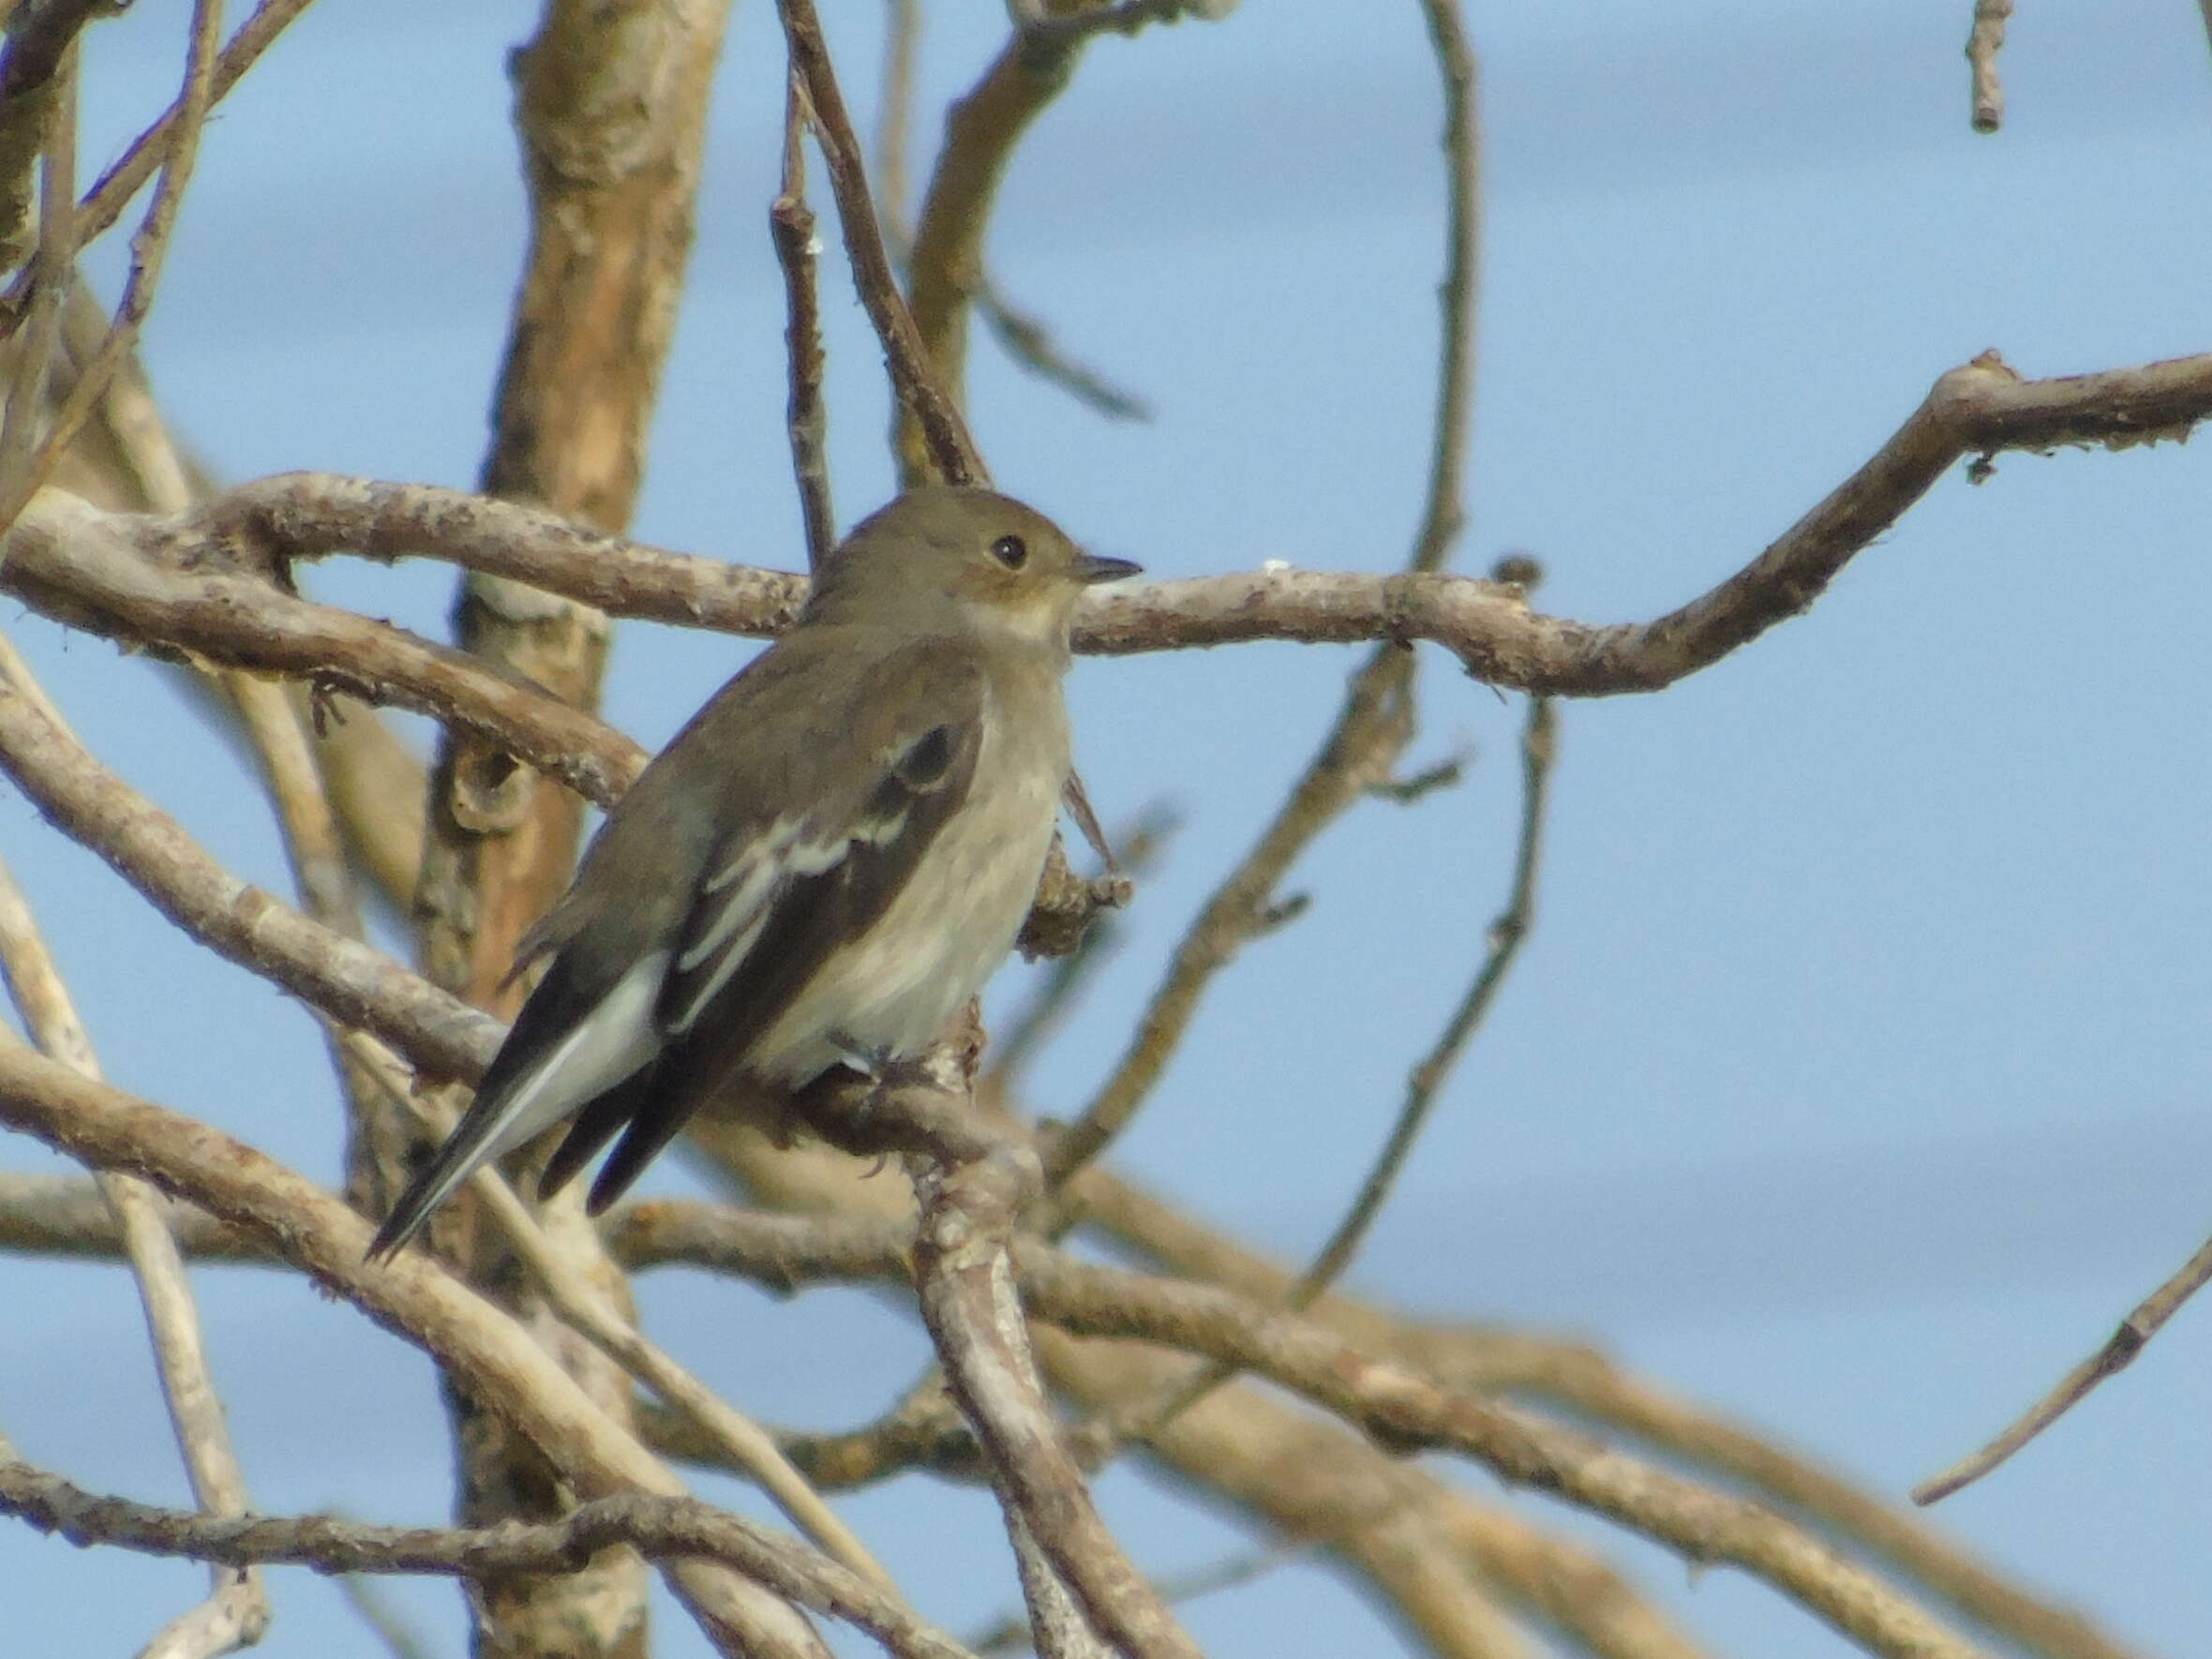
(1011, 551)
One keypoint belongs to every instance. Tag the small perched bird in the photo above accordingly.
(821, 869)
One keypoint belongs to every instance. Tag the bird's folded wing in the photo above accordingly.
(778, 902)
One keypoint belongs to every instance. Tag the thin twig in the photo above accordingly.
(104, 205)
(1444, 516)
(1983, 43)
(1062, 987)
(1505, 937)
(1506, 934)
(148, 248)
(1022, 336)
(1377, 720)
(663, 1527)
(914, 378)
(1372, 730)
(1025, 338)
(236, 1612)
(791, 227)
(2118, 1353)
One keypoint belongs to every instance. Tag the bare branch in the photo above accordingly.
(1376, 719)
(963, 1271)
(116, 574)
(944, 262)
(1407, 1404)
(34, 75)
(2118, 1353)
(1982, 408)
(1410, 1412)
(51, 114)
(152, 149)
(1505, 938)
(312, 515)
(1443, 514)
(1061, 29)
(1372, 730)
(1026, 338)
(1979, 410)
(65, 1215)
(663, 1529)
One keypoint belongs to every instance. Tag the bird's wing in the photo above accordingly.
(784, 895)
(788, 780)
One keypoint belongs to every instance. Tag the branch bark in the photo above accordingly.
(500, 1362)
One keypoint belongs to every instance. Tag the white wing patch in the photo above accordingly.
(736, 902)
(605, 1046)
(751, 882)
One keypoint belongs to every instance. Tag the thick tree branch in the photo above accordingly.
(966, 1278)
(341, 978)
(1410, 1411)
(112, 573)
(1595, 1390)
(1978, 411)
(501, 1363)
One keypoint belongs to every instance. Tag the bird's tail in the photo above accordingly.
(455, 1161)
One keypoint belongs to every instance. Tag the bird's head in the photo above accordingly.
(955, 558)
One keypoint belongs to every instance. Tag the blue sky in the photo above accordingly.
(1854, 1079)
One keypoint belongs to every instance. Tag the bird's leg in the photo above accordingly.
(884, 1070)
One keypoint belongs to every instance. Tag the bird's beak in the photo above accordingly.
(1090, 569)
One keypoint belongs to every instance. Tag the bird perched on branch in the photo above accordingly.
(821, 869)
